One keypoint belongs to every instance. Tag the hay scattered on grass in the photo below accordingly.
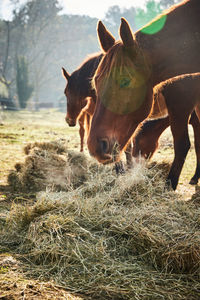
(59, 146)
(123, 237)
(49, 165)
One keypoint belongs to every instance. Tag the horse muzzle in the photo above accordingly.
(106, 151)
(70, 122)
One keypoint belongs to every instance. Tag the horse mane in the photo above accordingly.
(161, 86)
(90, 61)
(81, 77)
(159, 89)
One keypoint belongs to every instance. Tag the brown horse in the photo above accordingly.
(78, 89)
(146, 136)
(169, 46)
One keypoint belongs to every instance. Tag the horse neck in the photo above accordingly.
(175, 49)
(85, 74)
(81, 83)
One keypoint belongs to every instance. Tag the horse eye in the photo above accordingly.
(125, 82)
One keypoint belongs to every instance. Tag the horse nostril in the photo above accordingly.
(70, 122)
(104, 145)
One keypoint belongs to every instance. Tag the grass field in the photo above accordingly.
(35, 263)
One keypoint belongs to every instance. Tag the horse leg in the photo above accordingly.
(88, 118)
(194, 121)
(119, 168)
(81, 133)
(179, 128)
(128, 153)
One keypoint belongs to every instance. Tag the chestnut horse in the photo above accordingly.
(169, 46)
(78, 89)
(181, 88)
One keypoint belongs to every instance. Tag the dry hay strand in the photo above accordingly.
(59, 146)
(128, 239)
(14, 286)
(49, 165)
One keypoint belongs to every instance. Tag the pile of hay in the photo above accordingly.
(114, 237)
(49, 166)
(15, 286)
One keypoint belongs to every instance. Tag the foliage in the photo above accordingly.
(24, 89)
(151, 10)
(114, 14)
(167, 3)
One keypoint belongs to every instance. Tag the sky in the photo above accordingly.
(96, 8)
(92, 8)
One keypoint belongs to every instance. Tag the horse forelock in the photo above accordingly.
(106, 65)
(119, 60)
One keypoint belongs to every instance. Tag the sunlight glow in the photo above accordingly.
(155, 26)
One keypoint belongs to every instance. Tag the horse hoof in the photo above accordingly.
(170, 185)
(119, 168)
(193, 181)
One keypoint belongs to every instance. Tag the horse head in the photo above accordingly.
(124, 94)
(75, 102)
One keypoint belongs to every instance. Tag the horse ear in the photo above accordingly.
(126, 34)
(65, 74)
(105, 37)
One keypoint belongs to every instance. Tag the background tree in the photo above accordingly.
(5, 32)
(143, 16)
(11, 35)
(167, 3)
(113, 16)
(24, 89)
